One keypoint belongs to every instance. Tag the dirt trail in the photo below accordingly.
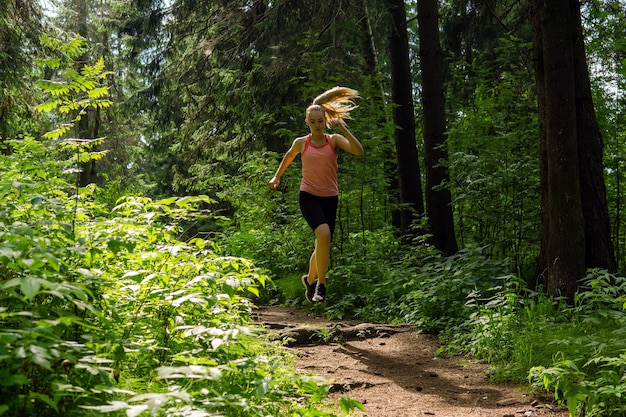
(393, 371)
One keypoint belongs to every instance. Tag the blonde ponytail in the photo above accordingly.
(336, 103)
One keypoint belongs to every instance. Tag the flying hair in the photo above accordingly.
(337, 102)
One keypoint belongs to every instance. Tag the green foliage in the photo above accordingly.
(576, 351)
(606, 46)
(20, 27)
(507, 330)
(44, 303)
(74, 91)
(589, 363)
(117, 314)
(494, 165)
(438, 290)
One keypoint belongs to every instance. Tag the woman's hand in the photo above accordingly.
(346, 140)
(337, 123)
(274, 182)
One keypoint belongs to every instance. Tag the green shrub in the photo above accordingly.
(438, 291)
(45, 302)
(110, 312)
(587, 372)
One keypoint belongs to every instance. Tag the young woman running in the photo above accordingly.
(318, 189)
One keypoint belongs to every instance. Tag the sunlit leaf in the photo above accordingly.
(191, 371)
(136, 410)
(347, 405)
(108, 408)
(98, 92)
(194, 298)
(41, 356)
(30, 286)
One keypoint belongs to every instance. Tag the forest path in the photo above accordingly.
(393, 372)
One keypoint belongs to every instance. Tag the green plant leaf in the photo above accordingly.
(348, 405)
(45, 399)
(8, 379)
(107, 408)
(30, 286)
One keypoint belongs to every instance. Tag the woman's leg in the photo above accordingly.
(320, 213)
(312, 266)
(321, 255)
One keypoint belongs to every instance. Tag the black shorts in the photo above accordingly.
(319, 210)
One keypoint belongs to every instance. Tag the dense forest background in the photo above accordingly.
(138, 138)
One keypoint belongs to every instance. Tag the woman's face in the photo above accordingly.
(316, 120)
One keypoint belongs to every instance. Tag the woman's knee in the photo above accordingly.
(322, 233)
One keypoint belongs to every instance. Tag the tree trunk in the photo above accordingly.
(565, 246)
(438, 196)
(559, 30)
(409, 178)
(599, 246)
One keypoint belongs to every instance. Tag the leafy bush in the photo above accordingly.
(507, 330)
(574, 351)
(182, 318)
(113, 313)
(361, 281)
(45, 302)
(589, 364)
(438, 290)
(377, 279)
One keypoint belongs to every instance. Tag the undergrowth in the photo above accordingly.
(479, 307)
(108, 311)
(113, 310)
(478, 304)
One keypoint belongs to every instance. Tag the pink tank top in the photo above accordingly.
(319, 169)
